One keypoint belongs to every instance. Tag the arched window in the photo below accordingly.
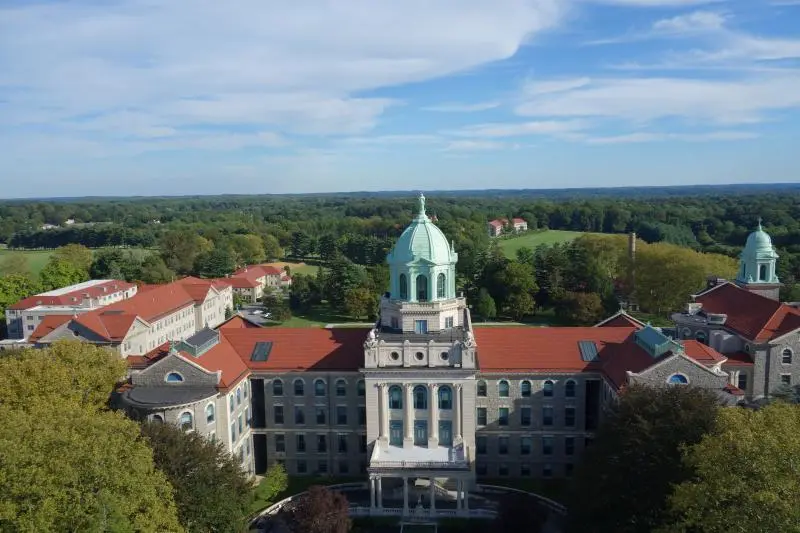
(209, 413)
(445, 397)
(341, 387)
(403, 287)
(238, 396)
(157, 418)
(686, 333)
(700, 336)
(422, 288)
(361, 388)
(547, 391)
(762, 272)
(277, 388)
(678, 379)
(299, 387)
(502, 389)
(420, 397)
(569, 389)
(319, 388)
(441, 287)
(482, 388)
(525, 389)
(395, 397)
(173, 377)
(786, 356)
(186, 421)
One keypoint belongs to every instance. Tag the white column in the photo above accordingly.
(433, 417)
(380, 492)
(457, 413)
(465, 496)
(458, 494)
(381, 410)
(433, 495)
(405, 495)
(408, 416)
(372, 492)
(385, 411)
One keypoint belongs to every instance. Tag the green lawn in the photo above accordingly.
(37, 259)
(532, 239)
(298, 484)
(317, 318)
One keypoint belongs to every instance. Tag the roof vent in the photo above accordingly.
(716, 318)
(261, 351)
(588, 351)
(200, 342)
(655, 342)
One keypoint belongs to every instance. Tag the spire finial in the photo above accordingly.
(421, 204)
(759, 224)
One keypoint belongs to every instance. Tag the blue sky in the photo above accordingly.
(146, 97)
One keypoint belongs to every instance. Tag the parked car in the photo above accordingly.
(257, 312)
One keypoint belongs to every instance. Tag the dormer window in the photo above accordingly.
(173, 377)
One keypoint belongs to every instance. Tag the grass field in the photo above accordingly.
(535, 238)
(37, 259)
(297, 268)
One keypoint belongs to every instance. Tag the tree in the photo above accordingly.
(626, 475)
(248, 249)
(272, 248)
(328, 247)
(67, 467)
(304, 293)
(580, 308)
(13, 288)
(485, 306)
(212, 492)
(77, 255)
(14, 263)
(275, 482)
(180, 249)
(361, 302)
(215, 263)
(519, 510)
(68, 372)
(320, 510)
(747, 468)
(276, 305)
(341, 277)
(154, 270)
(58, 273)
(302, 244)
(519, 286)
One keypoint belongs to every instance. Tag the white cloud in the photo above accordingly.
(691, 22)
(475, 145)
(520, 129)
(293, 68)
(646, 99)
(462, 108)
(657, 3)
(534, 87)
(643, 137)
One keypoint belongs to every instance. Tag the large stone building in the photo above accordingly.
(426, 404)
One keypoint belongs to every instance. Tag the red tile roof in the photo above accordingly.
(497, 223)
(753, 316)
(237, 322)
(620, 320)
(705, 355)
(739, 359)
(95, 291)
(519, 221)
(48, 324)
(243, 283)
(299, 349)
(736, 391)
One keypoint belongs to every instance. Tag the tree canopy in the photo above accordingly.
(627, 473)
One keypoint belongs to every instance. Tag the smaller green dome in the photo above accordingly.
(422, 240)
(759, 241)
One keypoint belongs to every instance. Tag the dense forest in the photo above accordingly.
(684, 238)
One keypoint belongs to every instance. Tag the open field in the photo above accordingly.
(37, 259)
(533, 239)
(296, 268)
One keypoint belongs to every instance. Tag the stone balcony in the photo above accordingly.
(393, 458)
(424, 307)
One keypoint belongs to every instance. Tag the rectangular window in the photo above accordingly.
(301, 467)
(342, 443)
(420, 326)
(525, 470)
(480, 444)
(525, 416)
(502, 469)
(786, 379)
(569, 417)
(742, 382)
(568, 469)
(569, 445)
(301, 443)
(341, 415)
(322, 444)
(547, 445)
(448, 322)
(526, 446)
(233, 431)
(481, 416)
(321, 415)
(247, 416)
(420, 432)
(280, 442)
(502, 416)
(240, 423)
(362, 443)
(547, 416)
(362, 415)
(547, 470)
(343, 467)
(277, 414)
(322, 467)
(502, 445)
(396, 432)
(299, 415)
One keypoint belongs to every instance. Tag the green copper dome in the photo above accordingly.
(422, 240)
(758, 241)
(757, 264)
